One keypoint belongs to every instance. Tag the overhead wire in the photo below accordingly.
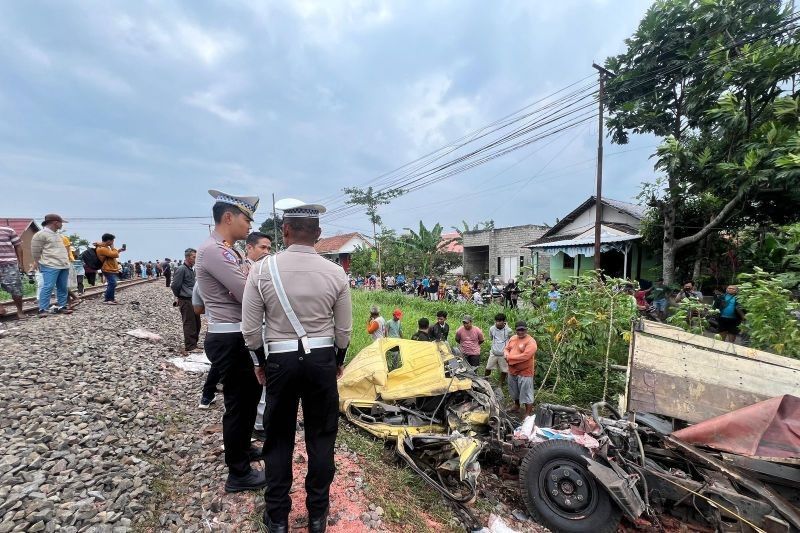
(414, 178)
(473, 134)
(552, 118)
(780, 27)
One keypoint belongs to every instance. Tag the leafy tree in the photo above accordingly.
(78, 242)
(426, 242)
(709, 77)
(777, 251)
(446, 261)
(395, 255)
(371, 200)
(272, 226)
(362, 261)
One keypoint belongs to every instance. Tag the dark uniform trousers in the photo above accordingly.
(228, 353)
(191, 323)
(168, 277)
(293, 376)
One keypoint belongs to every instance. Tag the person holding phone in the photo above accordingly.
(110, 268)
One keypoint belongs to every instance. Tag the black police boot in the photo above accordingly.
(275, 527)
(253, 480)
(254, 453)
(318, 525)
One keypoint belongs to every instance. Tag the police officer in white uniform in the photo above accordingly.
(221, 279)
(304, 301)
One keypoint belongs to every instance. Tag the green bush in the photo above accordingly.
(590, 327)
(769, 321)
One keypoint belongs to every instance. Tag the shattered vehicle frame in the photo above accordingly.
(430, 404)
(441, 418)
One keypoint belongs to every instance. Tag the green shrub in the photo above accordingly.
(590, 327)
(769, 321)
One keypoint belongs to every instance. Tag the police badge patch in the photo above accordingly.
(228, 256)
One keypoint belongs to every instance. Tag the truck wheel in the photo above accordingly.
(561, 493)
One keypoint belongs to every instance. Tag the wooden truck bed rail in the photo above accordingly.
(691, 377)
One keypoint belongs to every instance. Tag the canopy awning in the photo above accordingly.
(585, 245)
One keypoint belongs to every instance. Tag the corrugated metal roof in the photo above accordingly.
(607, 238)
(634, 209)
(19, 225)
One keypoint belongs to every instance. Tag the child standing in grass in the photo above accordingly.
(395, 328)
(500, 333)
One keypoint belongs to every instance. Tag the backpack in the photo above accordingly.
(90, 259)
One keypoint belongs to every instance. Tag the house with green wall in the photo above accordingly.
(567, 249)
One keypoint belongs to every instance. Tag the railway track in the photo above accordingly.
(29, 305)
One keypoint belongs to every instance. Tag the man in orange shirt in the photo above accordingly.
(108, 256)
(520, 353)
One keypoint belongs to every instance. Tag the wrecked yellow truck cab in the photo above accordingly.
(429, 404)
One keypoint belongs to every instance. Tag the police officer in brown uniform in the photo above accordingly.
(221, 278)
(304, 300)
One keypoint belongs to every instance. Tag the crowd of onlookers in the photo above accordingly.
(60, 266)
(447, 288)
(512, 352)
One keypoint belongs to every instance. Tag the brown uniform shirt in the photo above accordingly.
(221, 277)
(318, 291)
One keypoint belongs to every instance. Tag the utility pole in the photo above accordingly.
(598, 207)
(275, 224)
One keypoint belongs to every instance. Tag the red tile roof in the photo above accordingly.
(327, 245)
(452, 245)
(19, 225)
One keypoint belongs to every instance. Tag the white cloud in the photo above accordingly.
(103, 79)
(326, 22)
(33, 53)
(210, 101)
(179, 39)
(432, 118)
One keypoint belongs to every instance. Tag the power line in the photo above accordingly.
(780, 27)
(390, 180)
(552, 118)
(470, 135)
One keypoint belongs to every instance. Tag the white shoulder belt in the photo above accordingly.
(284, 300)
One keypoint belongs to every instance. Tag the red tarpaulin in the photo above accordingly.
(766, 429)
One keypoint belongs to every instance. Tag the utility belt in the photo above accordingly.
(225, 327)
(295, 345)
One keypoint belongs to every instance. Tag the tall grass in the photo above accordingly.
(581, 385)
(28, 289)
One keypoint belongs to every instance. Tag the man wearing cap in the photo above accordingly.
(304, 301)
(520, 353)
(221, 280)
(51, 259)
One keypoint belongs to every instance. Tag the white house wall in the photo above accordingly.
(351, 245)
(586, 219)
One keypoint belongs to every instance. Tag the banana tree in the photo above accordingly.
(426, 242)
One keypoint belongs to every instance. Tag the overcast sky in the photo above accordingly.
(135, 109)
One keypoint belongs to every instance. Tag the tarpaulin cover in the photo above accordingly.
(766, 429)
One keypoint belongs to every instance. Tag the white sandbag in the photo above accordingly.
(196, 362)
(140, 333)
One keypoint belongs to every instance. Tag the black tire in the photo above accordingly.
(580, 504)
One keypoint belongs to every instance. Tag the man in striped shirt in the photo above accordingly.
(10, 267)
